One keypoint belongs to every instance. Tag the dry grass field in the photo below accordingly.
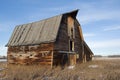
(98, 69)
(3, 70)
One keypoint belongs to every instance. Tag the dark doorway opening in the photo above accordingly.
(71, 45)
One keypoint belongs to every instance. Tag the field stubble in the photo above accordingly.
(93, 70)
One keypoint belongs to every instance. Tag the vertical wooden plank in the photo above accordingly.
(82, 43)
(71, 34)
(75, 58)
(72, 59)
(52, 59)
(73, 46)
(91, 56)
(80, 31)
(82, 51)
(70, 24)
(85, 58)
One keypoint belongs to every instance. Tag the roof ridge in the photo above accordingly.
(51, 17)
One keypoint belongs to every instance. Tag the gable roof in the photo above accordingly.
(44, 31)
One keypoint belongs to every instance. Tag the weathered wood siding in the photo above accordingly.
(61, 43)
(47, 54)
(60, 59)
(78, 43)
(88, 54)
(72, 59)
(38, 54)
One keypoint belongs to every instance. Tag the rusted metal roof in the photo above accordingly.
(44, 31)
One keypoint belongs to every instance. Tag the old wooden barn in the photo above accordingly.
(54, 41)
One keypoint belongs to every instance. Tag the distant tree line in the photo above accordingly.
(97, 56)
(107, 56)
(3, 57)
(114, 56)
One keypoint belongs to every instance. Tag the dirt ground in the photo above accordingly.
(98, 69)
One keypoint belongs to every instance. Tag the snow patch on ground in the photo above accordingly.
(71, 67)
(93, 66)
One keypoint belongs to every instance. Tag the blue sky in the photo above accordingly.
(100, 20)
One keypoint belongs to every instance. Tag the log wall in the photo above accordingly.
(38, 54)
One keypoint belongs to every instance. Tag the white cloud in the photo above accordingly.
(107, 47)
(98, 16)
(93, 11)
(89, 12)
(3, 50)
(89, 34)
(105, 44)
(112, 28)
